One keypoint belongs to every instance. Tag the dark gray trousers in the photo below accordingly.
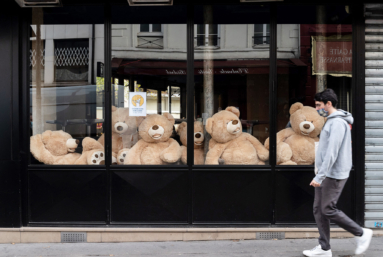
(325, 211)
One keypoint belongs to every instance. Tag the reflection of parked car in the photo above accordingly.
(74, 105)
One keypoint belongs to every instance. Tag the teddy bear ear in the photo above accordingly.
(114, 108)
(169, 117)
(46, 135)
(209, 125)
(140, 119)
(295, 107)
(233, 110)
(181, 127)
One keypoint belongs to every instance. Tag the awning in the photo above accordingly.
(221, 67)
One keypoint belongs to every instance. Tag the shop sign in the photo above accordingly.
(332, 55)
(137, 104)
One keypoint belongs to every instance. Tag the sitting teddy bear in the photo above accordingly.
(155, 145)
(124, 133)
(229, 143)
(58, 147)
(198, 142)
(296, 145)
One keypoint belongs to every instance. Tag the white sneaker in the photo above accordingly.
(363, 242)
(317, 251)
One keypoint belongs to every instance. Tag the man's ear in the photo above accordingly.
(45, 136)
(181, 127)
(233, 110)
(209, 125)
(295, 107)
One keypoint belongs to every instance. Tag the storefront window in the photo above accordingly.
(231, 85)
(314, 53)
(66, 85)
(149, 74)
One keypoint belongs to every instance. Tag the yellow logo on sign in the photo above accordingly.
(137, 100)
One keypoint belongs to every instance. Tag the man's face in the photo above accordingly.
(319, 105)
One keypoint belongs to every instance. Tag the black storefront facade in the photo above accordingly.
(183, 195)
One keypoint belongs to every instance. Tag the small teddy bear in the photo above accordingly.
(92, 152)
(155, 145)
(199, 139)
(296, 145)
(54, 147)
(124, 133)
(229, 143)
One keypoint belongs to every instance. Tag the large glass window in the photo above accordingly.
(66, 85)
(231, 85)
(149, 91)
(314, 53)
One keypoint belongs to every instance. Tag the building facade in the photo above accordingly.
(87, 68)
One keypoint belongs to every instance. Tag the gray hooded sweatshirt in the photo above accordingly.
(334, 157)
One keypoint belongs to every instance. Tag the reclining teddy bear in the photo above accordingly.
(124, 133)
(58, 147)
(155, 145)
(229, 143)
(296, 145)
(198, 142)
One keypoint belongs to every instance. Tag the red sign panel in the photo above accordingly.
(332, 57)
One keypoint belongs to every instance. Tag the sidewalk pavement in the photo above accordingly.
(232, 248)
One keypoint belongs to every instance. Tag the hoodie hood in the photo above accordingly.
(343, 115)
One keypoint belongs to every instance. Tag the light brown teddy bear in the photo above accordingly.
(198, 142)
(124, 133)
(92, 152)
(229, 143)
(296, 145)
(58, 147)
(156, 146)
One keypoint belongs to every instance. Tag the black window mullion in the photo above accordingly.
(108, 106)
(273, 103)
(190, 104)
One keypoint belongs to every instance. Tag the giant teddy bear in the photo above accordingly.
(198, 142)
(296, 145)
(124, 133)
(229, 143)
(58, 147)
(155, 145)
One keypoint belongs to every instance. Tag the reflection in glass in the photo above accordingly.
(149, 99)
(319, 57)
(231, 86)
(66, 94)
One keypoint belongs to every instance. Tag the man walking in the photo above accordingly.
(334, 161)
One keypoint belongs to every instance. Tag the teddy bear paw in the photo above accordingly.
(122, 156)
(98, 158)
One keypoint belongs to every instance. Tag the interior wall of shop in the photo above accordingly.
(173, 185)
(9, 117)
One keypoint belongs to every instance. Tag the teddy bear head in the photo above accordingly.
(305, 120)
(59, 143)
(157, 128)
(225, 125)
(122, 123)
(198, 134)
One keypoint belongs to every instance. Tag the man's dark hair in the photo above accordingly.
(327, 95)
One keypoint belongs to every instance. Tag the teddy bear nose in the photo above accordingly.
(235, 122)
(155, 127)
(77, 141)
(119, 128)
(306, 126)
(198, 135)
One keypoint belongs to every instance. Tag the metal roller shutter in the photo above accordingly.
(374, 116)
